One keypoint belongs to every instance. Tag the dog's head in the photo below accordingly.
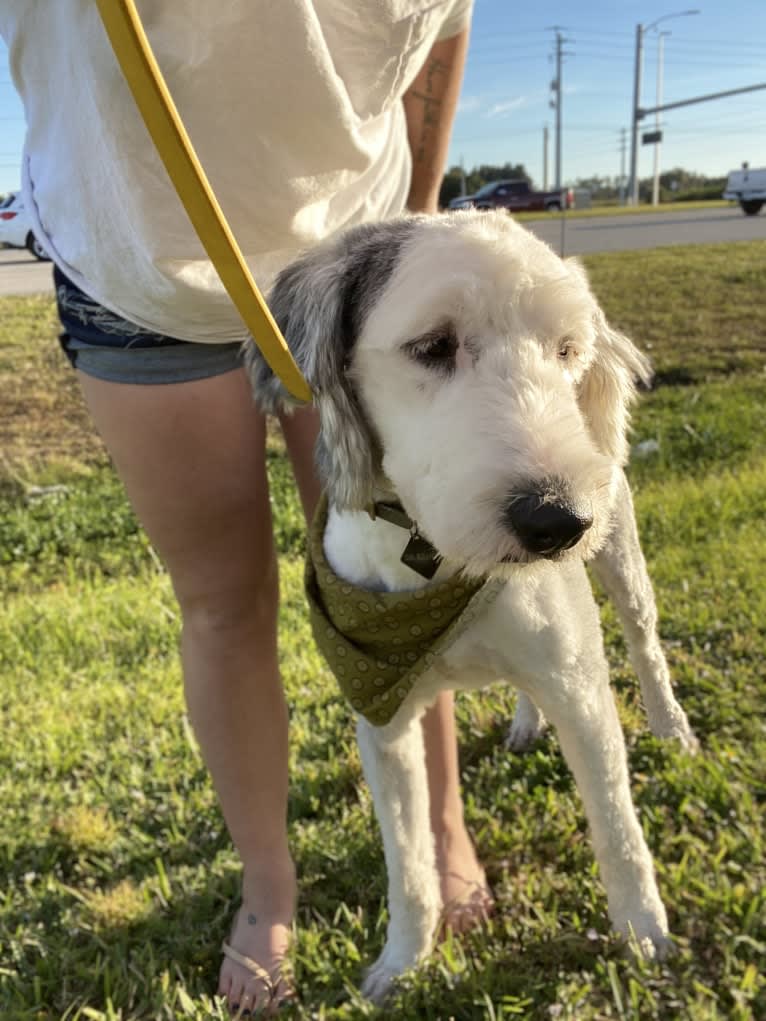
(457, 361)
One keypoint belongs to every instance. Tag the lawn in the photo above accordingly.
(117, 878)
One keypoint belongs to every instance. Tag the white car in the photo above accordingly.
(16, 226)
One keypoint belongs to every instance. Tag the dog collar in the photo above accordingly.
(419, 554)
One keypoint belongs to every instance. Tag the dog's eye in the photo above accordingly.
(566, 349)
(439, 347)
(436, 349)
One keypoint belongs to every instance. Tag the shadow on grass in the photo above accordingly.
(130, 963)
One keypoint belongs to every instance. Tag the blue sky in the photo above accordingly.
(504, 105)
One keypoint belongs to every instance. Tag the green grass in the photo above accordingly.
(643, 208)
(117, 878)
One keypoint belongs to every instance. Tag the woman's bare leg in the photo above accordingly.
(466, 898)
(192, 456)
(300, 429)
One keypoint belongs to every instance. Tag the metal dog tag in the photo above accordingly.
(420, 556)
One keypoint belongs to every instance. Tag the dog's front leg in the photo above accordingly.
(621, 569)
(582, 710)
(393, 758)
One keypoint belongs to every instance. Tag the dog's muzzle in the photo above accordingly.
(546, 526)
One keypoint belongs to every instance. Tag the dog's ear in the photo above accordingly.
(609, 386)
(320, 302)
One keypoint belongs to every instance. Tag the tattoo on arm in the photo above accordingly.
(429, 106)
(251, 920)
(431, 100)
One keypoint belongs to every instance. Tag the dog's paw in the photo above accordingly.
(676, 727)
(527, 727)
(395, 960)
(651, 947)
(687, 739)
(645, 932)
(379, 980)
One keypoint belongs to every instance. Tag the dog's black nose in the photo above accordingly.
(544, 526)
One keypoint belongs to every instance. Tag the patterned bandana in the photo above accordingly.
(379, 643)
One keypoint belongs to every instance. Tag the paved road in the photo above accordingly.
(20, 273)
(649, 230)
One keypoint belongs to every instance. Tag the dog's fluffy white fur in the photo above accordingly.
(460, 366)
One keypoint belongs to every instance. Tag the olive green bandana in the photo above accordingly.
(379, 643)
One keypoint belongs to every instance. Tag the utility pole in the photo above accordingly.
(559, 46)
(556, 102)
(545, 158)
(623, 150)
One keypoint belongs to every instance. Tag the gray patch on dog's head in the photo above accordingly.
(321, 303)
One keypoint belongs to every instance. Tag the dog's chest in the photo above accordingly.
(380, 643)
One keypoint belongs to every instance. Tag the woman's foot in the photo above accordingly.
(252, 975)
(467, 900)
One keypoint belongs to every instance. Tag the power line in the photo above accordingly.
(738, 44)
(509, 40)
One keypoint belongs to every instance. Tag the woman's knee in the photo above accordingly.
(228, 614)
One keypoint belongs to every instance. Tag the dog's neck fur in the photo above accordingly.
(368, 552)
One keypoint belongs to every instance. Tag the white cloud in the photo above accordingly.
(500, 109)
(484, 108)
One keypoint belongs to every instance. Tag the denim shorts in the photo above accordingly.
(102, 344)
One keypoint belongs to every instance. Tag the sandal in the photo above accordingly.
(471, 910)
(252, 966)
(259, 972)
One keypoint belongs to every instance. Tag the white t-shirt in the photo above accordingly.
(294, 109)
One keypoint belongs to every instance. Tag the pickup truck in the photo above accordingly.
(515, 196)
(748, 187)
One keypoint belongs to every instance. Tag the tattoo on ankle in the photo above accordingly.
(251, 920)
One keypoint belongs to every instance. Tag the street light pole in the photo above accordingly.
(637, 113)
(658, 143)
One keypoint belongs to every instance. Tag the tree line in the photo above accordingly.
(676, 185)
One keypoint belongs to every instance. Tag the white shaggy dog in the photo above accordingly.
(463, 369)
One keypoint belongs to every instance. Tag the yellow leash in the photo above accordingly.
(144, 77)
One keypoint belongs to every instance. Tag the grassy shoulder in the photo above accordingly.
(640, 210)
(118, 879)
